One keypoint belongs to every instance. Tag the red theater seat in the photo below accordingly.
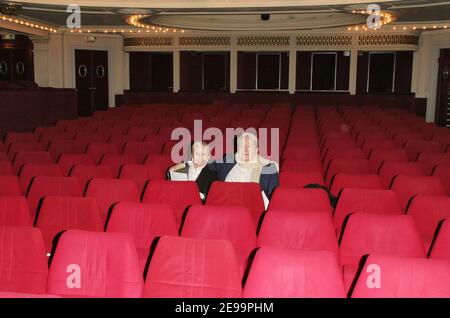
(407, 187)
(441, 246)
(301, 165)
(140, 174)
(111, 191)
(289, 179)
(348, 166)
(140, 149)
(14, 212)
(42, 187)
(403, 277)
(280, 273)
(14, 137)
(114, 162)
(427, 211)
(58, 214)
(178, 194)
(95, 264)
(298, 231)
(189, 268)
(23, 146)
(67, 160)
(23, 263)
(414, 147)
(234, 224)
(98, 149)
(355, 181)
(429, 160)
(300, 200)
(84, 173)
(302, 153)
(365, 201)
(389, 170)
(379, 155)
(38, 158)
(29, 171)
(58, 147)
(10, 186)
(6, 169)
(244, 194)
(144, 222)
(443, 173)
(380, 234)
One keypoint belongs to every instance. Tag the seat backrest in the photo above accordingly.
(41, 187)
(10, 186)
(290, 179)
(114, 162)
(298, 231)
(95, 264)
(23, 263)
(29, 171)
(300, 200)
(14, 212)
(84, 173)
(6, 168)
(365, 201)
(98, 149)
(140, 149)
(294, 274)
(58, 214)
(443, 173)
(427, 211)
(244, 194)
(58, 147)
(178, 194)
(382, 234)
(185, 268)
(110, 191)
(403, 277)
(140, 174)
(355, 181)
(388, 170)
(441, 245)
(37, 157)
(29, 146)
(67, 160)
(234, 224)
(348, 166)
(407, 187)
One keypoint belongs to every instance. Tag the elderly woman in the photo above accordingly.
(197, 169)
(246, 165)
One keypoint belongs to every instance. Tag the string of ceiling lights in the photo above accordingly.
(26, 23)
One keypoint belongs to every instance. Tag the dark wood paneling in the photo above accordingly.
(269, 71)
(403, 71)
(303, 80)
(17, 55)
(361, 73)
(443, 88)
(381, 72)
(139, 71)
(324, 71)
(246, 71)
(342, 71)
(190, 71)
(284, 70)
(161, 71)
(420, 107)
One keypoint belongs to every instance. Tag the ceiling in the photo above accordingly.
(231, 15)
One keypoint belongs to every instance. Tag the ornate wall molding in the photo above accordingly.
(388, 39)
(263, 41)
(324, 40)
(205, 41)
(148, 41)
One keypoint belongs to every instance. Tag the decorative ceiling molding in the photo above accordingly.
(388, 39)
(150, 41)
(263, 41)
(324, 40)
(204, 41)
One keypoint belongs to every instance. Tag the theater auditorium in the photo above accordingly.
(224, 149)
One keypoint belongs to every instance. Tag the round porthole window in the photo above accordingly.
(100, 71)
(20, 68)
(3, 67)
(82, 70)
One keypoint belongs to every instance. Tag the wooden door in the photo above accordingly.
(443, 90)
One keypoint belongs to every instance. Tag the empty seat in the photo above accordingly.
(407, 187)
(114, 162)
(140, 174)
(441, 245)
(42, 187)
(337, 153)
(301, 166)
(289, 179)
(162, 160)
(6, 169)
(355, 181)
(298, 230)
(234, 224)
(427, 211)
(10, 186)
(84, 173)
(348, 166)
(379, 155)
(38, 157)
(58, 147)
(18, 137)
(414, 147)
(443, 173)
(95, 264)
(282, 273)
(244, 194)
(23, 263)
(302, 153)
(98, 149)
(389, 170)
(365, 201)
(381, 234)
(429, 160)
(144, 223)
(110, 191)
(140, 149)
(185, 268)
(58, 214)
(14, 212)
(28, 146)
(29, 171)
(67, 160)
(178, 194)
(403, 277)
(300, 200)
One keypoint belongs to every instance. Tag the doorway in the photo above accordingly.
(443, 90)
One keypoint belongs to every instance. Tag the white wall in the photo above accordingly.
(425, 71)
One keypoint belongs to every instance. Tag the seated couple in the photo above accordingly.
(246, 165)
